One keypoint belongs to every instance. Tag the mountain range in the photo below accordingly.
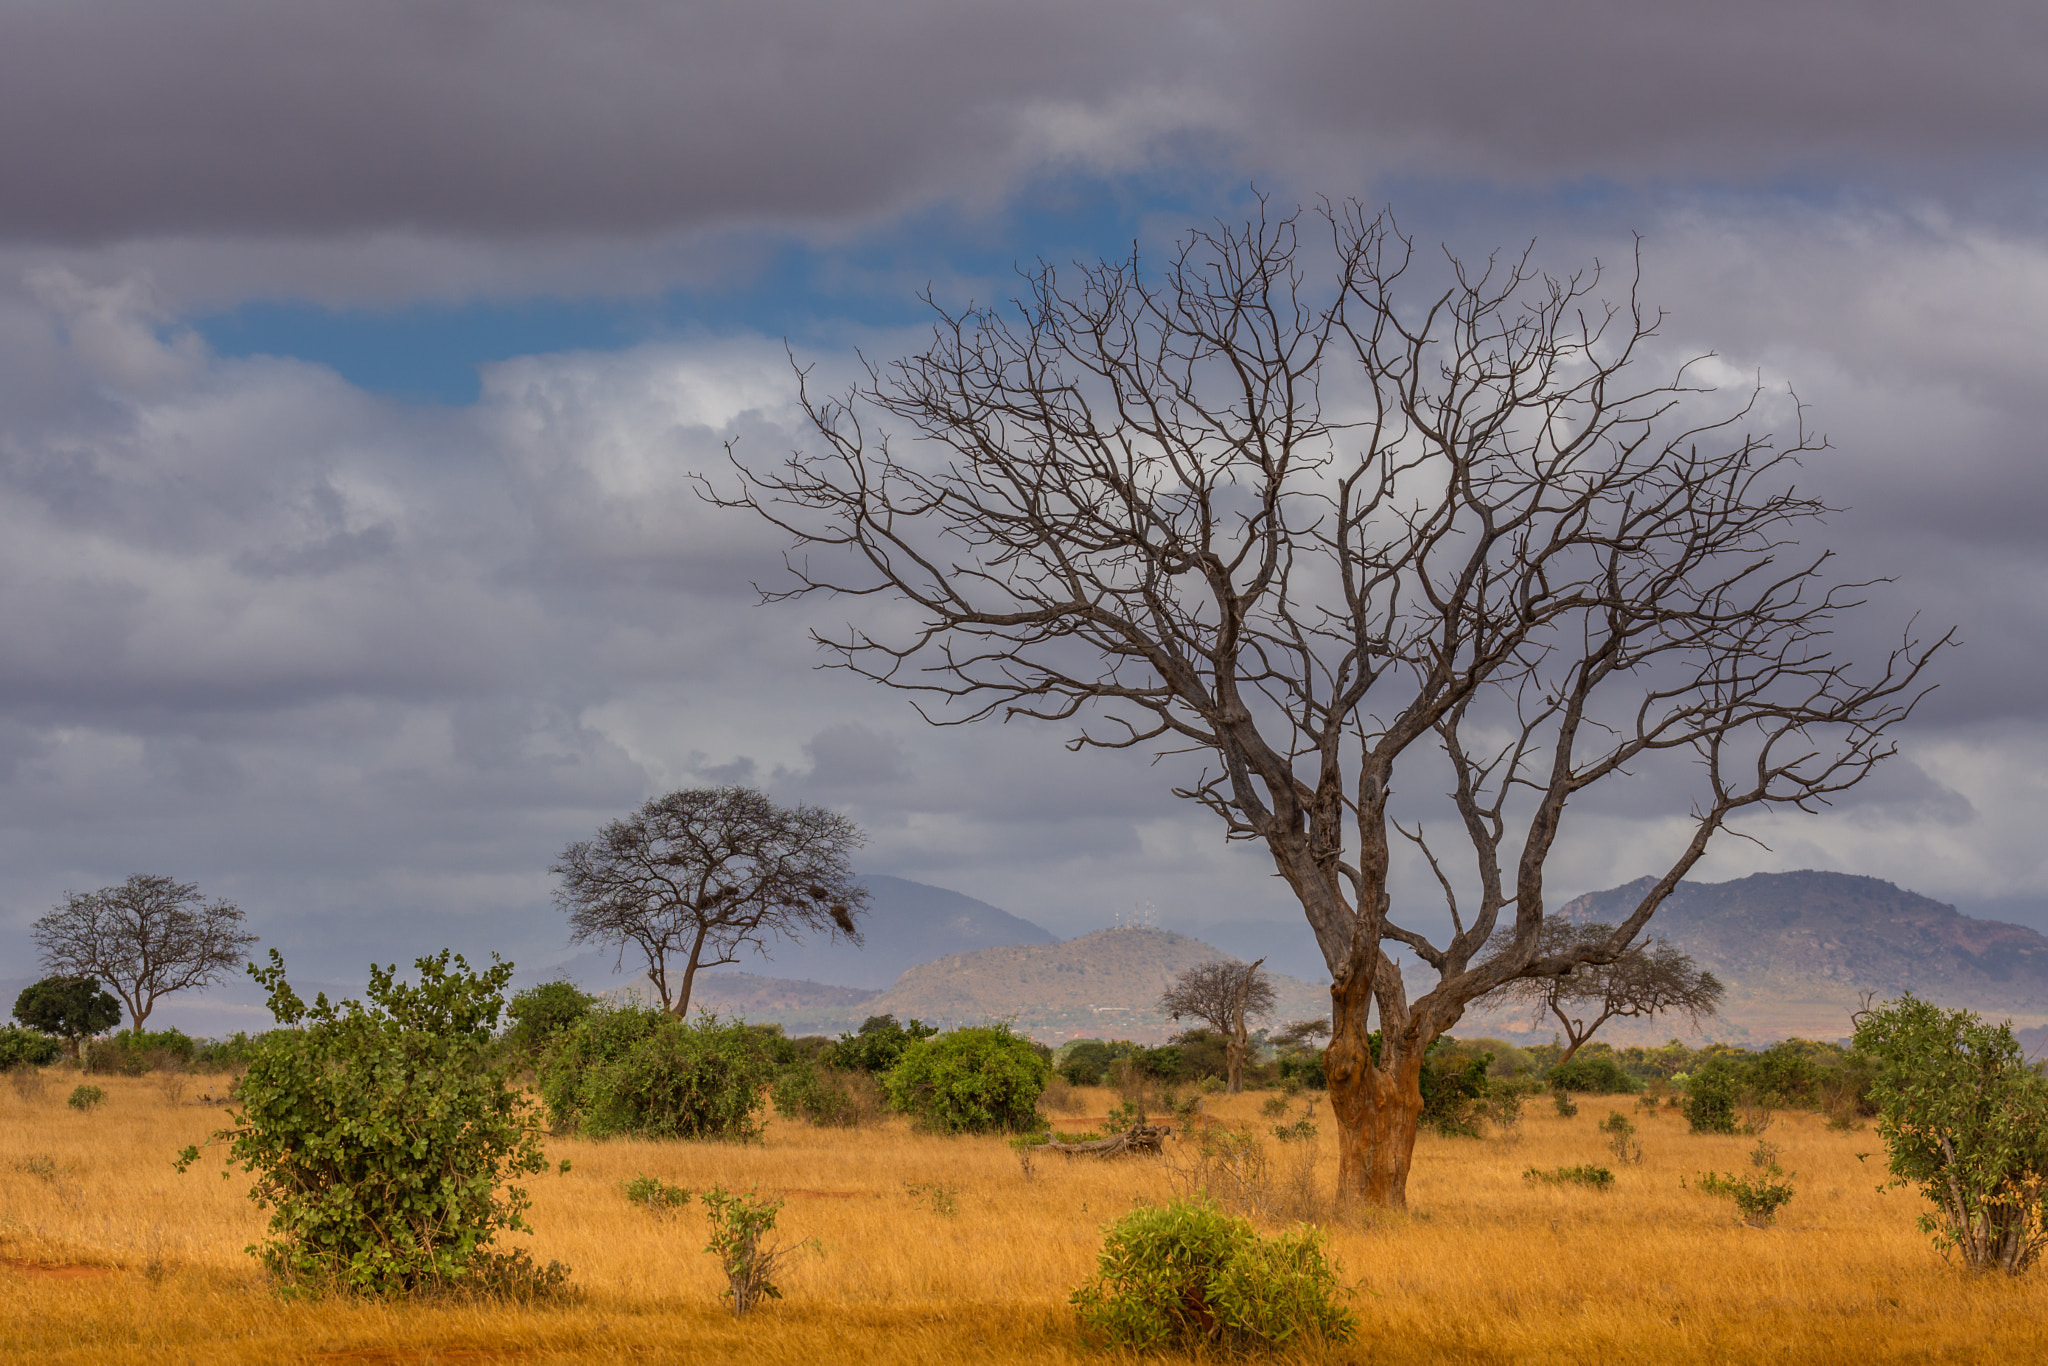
(1797, 951)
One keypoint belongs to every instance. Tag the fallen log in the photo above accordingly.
(1139, 1138)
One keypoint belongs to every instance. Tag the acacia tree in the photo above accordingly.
(72, 1008)
(1650, 978)
(146, 938)
(691, 878)
(1223, 994)
(1470, 535)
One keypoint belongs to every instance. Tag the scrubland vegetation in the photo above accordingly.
(911, 1246)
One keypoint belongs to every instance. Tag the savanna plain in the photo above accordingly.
(926, 1249)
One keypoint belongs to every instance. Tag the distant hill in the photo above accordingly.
(1101, 985)
(800, 1007)
(907, 923)
(1796, 950)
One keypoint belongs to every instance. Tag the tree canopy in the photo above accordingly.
(72, 1008)
(1649, 978)
(693, 877)
(145, 939)
(1225, 995)
(1346, 524)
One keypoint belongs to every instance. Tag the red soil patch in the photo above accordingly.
(56, 1272)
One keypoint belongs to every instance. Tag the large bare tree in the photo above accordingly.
(691, 878)
(1223, 994)
(1650, 978)
(146, 938)
(1476, 535)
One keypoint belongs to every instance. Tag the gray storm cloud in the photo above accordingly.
(512, 118)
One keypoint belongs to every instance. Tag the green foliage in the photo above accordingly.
(382, 1137)
(72, 1008)
(133, 1052)
(655, 1195)
(1454, 1084)
(1621, 1137)
(27, 1048)
(976, 1080)
(1711, 1094)
(86, 1097)
(824, 1096)
(1562, 1100)
(220, 1055)
(1757, 1198)
(878, 1045)
(539, 1013)
(738, 1224)
(1083, 1062)
(1593, 1074)
(1201, 1053)
(1966, 1120)
(1189, 1274)
(1599, 1178)
(641, 1071)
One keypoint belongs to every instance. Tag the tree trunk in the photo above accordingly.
(1234, 1053)
(1377, 1106)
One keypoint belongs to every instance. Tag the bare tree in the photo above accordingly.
(692, 877)
(1326, 536)
(146, 938)
(1649, 978)
(1223, 994)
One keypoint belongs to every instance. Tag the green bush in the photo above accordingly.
(1757, 1198)
(1189, 1275)
(1083, 1062)
(1599, 1178)
(633, 1070)
(382, 1137)
(86, 1097)
(975, 1080)
(1203, 1053)
(739, 1223)
(221, 1055)
(1597, 1075)
(824, 1096)
(539, 1013)
(72, 1008)
(1965, 1118)
(131, 1052)
(878, 1045)
(27, 1048)
(1711, 1094)
(655, 1195)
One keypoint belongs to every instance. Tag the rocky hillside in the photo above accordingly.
(1102, 985)
(1796, 951)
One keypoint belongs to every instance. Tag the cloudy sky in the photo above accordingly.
(354, 358)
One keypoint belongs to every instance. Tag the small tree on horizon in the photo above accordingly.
(1223, 994)
(1649, 979)
(145, 939)
(693, 877)
(72, 1008)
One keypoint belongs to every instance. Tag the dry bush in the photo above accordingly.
(1063, 1097)
(29, 1083)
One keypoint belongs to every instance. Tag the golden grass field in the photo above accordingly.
(120, 1259)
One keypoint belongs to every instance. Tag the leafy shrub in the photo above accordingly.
(634, 1070)
(133, 1052)
(1965, 1118)
(222, 1055)
(1621, 1138)
(878, 1045)
(1711, 1094)
(539, 1013)
(1562, 1100)
(1203, 1053)
(1599, 1178)
(654, 1194)
(973, 1080)
(1595, 1074)
(1083, 1062)
(1454, 1083)
(825, 1096)
(86, 1097)
(27, 1048)
(382, 1137)
(738, 1224)
(1189, 1274)
(1757, 1198)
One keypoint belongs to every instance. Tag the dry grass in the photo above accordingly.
(1487, 1268)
